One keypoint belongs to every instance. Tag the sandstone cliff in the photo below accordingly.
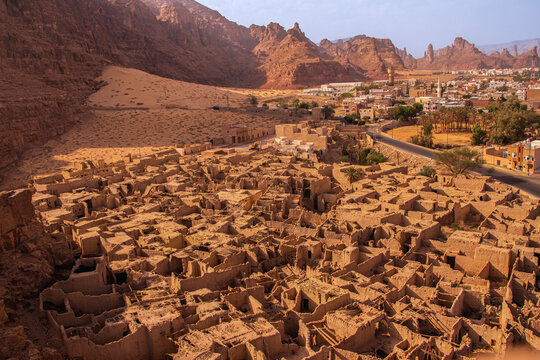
(289, 58)
(527, 59)
(370, 56)
(462, 55)
(408, 60)
(28, 257)
(51, 50)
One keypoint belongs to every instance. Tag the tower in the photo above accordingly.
(439, 90)
(391, 74)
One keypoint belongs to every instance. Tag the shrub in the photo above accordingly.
(428, 171)
(375, 157)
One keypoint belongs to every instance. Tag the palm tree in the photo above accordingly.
(327, 112)
(352, 174)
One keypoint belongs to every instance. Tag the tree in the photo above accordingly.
(349, 118)
(303, 105)
(460, 161)
(345, 95)
(509, 127)
(404, 113)
(327, 111)
(253, 100)
(418, 107)
(427, 134)
(352, 174)
(314, 104)
(479, 136)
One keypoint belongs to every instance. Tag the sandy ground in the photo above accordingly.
(143, 113)
(404, 133)
(424, 75)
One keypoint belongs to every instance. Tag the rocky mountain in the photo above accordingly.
(462, 55)
(408, 60)
(289, 58)
(52, 50)
(514, 47)
(527, 59)
(370, 56)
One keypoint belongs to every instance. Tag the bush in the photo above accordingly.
(455, 226)
(345, 95)
(350, 118)
(428, 171)
(375, 157)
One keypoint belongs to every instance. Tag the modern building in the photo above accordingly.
(523, 156)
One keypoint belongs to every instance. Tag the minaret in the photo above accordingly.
(391, 73)
(439, 90)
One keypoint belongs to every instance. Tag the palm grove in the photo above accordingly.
(504, 122)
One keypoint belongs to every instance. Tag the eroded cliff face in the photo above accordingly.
(462, 55)
(29, 254)
(408, 60)
(289, 58)
(370, 56)
(52, 50)
(527, 59)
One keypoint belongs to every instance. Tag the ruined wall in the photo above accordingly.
(16, 219)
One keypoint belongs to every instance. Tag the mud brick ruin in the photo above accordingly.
(265, 255)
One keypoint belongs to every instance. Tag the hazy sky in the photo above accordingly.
(408, 23)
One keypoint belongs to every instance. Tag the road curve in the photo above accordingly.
(530, 185)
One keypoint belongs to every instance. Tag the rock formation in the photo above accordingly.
(289, 58)
(527, 59)
(368, 55)
(459, 56)
(429, 54)
(462, 55)
(408, 60)
(29, 253)
(52, 50)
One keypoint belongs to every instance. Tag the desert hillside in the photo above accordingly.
(139, 113)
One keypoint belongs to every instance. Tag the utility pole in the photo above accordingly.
(530, 145)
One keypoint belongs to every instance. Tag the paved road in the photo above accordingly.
(530, 185)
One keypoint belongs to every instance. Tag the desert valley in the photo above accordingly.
(174, 185)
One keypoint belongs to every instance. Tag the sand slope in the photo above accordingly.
(167, 112)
